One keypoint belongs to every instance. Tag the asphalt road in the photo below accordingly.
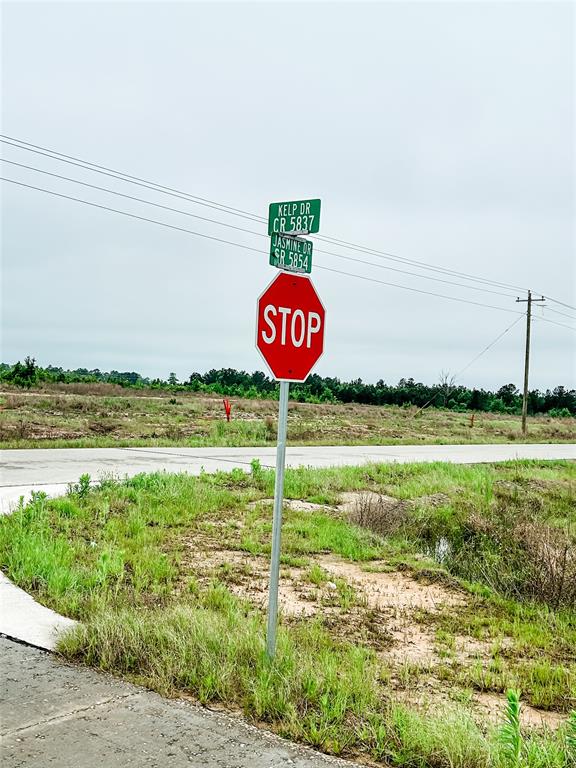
(51, 469)
(56, 714)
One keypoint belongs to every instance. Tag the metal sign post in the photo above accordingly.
(277, 520)
(290, 337)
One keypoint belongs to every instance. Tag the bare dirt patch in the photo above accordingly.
(389, 610)
(394, 590)
(492, 705)
(247, 576)
(398, 598)
(27, 430)
(295, 505)
(382, 606)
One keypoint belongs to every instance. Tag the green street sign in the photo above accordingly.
(290, 253)
(298, 217)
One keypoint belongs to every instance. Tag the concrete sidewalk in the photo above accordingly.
(56, 714)
(22, 618)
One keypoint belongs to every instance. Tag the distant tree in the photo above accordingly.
(509, 395)
(231, 382)
(498, 405)
(23, 374)
(479, 400)
(445, 386)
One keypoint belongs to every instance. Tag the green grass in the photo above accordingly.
(533, 650)
(319, 691)
(117, 544)
(305, 534)
(117, 557)
(317, 575)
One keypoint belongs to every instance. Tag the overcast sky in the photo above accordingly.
(440, 132)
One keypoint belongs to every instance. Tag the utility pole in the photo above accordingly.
(528, 301)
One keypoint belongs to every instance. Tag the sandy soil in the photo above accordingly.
(384, 609)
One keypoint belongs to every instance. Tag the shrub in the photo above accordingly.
(511, 550)
(559, 413)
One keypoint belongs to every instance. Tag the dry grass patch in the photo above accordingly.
(65, 416)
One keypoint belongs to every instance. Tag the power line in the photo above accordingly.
(131, 197)
(123, 177)
(119, 175)
(258, 250)
(477, 357)
(556, 312)
(247, 247)
(553, 322)
(440, 295)
(416, 290)
(131, 215)
(413, 274)
(489, 346)
(421, 265)
(241, 229)
(55, 155)
(134, 178)
(557, 301)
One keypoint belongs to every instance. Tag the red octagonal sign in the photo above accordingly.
(290, 327)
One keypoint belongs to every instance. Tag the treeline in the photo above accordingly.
(317, 389)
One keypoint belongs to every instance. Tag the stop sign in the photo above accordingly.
(290, 327)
